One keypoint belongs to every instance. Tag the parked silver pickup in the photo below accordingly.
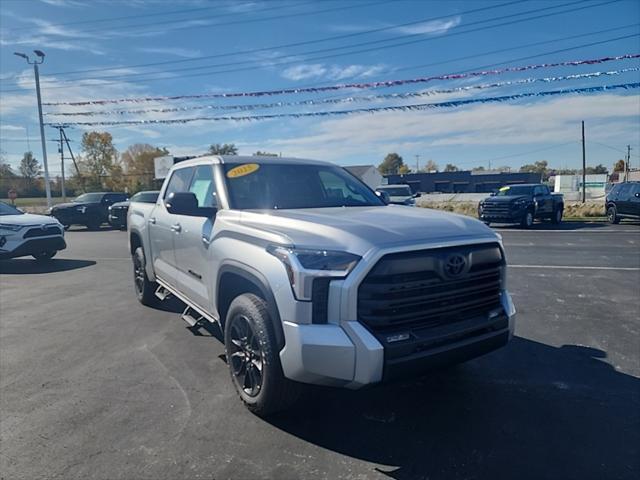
(313, 278)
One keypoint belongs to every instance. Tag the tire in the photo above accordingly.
(45, 256)
(557, 216)
(612, 215)
(527, 220)
(145, 289)
(253, 359)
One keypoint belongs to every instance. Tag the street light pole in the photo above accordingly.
(35, 63)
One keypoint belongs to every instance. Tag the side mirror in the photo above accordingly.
(417, 195)
(186, 203)
(384, 196)
(492, 194)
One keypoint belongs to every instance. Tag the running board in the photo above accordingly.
(191, 316)
(162, 293)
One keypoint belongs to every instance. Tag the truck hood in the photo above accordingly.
(28, 219)
(506, 198)
(358, 229)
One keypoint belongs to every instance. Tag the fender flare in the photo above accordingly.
(260, 281)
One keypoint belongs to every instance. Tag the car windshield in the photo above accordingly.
(514, 191)
(396, 191)
(289, 186)
(88, 198)
(6, 209)
(145, 197)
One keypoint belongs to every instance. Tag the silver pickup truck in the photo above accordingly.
(313, 278)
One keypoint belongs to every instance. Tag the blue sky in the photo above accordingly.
(101, 49)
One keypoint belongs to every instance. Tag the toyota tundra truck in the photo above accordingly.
(314, 279)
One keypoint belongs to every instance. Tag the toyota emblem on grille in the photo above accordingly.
(455, 265)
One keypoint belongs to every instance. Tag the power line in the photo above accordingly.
(296, 57)
(288, 45)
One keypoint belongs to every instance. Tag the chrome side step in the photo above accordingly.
(162, 293)
(191, 316)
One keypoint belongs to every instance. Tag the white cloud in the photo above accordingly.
(434, 27)
(307, 71)
(176, 51)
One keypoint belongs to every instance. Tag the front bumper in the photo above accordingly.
(349, 355)
(35, 246)
(512, 215)
(117, 221)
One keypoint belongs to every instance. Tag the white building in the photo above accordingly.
(367, 173)
(571, 186)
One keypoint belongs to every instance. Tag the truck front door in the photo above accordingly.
(192, 245)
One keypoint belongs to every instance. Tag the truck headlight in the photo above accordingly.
(10, 228)
(303, 266)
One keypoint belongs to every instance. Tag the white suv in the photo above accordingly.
(23, 234)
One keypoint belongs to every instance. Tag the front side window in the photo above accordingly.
(179, 181)
(291, 186)
(89, 198)
(203, 186)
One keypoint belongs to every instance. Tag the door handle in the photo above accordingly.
(206, 241)
(152, 220)
(176, 228)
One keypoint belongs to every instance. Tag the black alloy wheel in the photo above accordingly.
(245, 356)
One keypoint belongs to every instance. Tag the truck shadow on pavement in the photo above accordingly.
(529, 411)
(24, 266)
(564, 226)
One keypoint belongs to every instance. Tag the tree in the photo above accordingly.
(431, 166)
(391, 164)
(29, 167)
(6, 171)
(598, 169)
(100, 160)
(450, 167)
(619, 166)
(264, 154)
(138, 161)
(223, 149)
(541, 166)
(503, 168)
(404, 169)
(478, 169)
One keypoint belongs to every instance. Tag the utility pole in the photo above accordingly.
(584, 168)
(627, 164)
(66, 140)
(417, 163)
(64, 193)
(35, 63)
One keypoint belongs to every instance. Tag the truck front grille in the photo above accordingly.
(499, 209)
(415, 289)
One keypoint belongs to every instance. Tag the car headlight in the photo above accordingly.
(81, 209)
(9, 227)
(303, 266)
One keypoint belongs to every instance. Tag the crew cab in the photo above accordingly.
(623, 201)
(314, 279)
(88, 209)
(23, 234)
(399, 194)
(522, 204)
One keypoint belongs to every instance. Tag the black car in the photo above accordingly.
(118, 211)
(623, 201)
(89, 209)
(521, 204)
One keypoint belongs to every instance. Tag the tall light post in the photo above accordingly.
(35, 63)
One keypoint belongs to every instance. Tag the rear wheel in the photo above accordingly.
(145, 288)
(612, 215)
(253, 358)
(557, 216)
(45, 256)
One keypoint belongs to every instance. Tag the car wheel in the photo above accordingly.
(253, 358)
(527, 220)
(145, 288)
(557, 216)
(612, 215)
(45, 256)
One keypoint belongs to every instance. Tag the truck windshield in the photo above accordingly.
(289, 186)
(396, 191)
(514, 191)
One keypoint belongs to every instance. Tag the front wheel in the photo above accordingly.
(44, 256)
(527, 220)
(612, 215)
(253, 360)
(145, 288)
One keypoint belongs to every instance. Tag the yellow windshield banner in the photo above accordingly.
(504, 189)
(242, 170)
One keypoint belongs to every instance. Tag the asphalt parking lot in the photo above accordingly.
(94, 385)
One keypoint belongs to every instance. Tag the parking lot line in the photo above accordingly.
(576, 267)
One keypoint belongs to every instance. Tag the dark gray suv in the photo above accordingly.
(623, 201)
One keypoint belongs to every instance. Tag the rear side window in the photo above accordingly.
(179, 181)
(635, 189)
(624, 190)
(203, 186)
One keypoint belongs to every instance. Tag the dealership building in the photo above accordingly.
(461, 182)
